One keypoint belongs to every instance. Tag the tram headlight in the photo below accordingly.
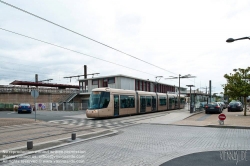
(95, 111)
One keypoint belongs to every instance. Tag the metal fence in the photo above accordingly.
(6, 106)
(46, 106)
(70, 107)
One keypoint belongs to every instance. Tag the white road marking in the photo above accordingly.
(11, 113)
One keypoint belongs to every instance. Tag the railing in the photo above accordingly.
(10, 89)
(83, 91)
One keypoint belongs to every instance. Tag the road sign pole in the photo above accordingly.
(35, 108)
(221, 117)
(35, 94)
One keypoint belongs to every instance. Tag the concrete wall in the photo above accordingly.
(27, 98)
(127, 83)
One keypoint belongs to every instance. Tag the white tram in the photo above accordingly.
(108, 102)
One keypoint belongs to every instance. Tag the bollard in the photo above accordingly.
(73, 136)
(29, 145)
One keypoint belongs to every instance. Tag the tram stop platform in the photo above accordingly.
(233, 120)
(199, 118)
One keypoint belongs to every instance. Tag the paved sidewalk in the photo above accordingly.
(170, 118)
(151, 145)
(184, 117)
(233, 119)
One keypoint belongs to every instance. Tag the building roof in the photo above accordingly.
(121, 75)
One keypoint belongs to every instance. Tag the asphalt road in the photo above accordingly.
(44, 115)
(213, 158)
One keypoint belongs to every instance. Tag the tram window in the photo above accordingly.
(105, 98)
(127, 101)
(143, 101)
(148, 98)
(163, 101)
(132, 102)
(171, 100)
(183, 100)
(99, 100)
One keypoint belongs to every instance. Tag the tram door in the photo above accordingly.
(142, 104)
(153, 103)
(116, 105)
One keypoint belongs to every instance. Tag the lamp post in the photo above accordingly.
(191, 111)
(179, 77)
(230, 40)
(156, 89)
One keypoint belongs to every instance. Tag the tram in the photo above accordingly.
(109, 102)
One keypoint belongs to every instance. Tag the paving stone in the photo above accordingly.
(149, 144)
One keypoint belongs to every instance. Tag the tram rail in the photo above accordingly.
(64, 129)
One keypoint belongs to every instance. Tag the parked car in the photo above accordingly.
(24, 107)
(235, 106)
(223, 105)
(213, 108)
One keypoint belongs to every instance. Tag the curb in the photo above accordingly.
(231, 127)
(195, 113)
(214, 126)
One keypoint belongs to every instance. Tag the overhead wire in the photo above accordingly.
(83, 35)
(68, 50)
(74, 51)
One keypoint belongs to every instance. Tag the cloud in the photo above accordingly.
(182, 37)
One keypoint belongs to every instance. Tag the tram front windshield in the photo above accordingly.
(99, 100)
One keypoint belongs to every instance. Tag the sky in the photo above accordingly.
(172, 37)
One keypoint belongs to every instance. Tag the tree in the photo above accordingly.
(238, 85)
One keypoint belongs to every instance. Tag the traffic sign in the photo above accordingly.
(34, 93)
(222, 117)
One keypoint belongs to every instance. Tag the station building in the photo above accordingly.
(124, 82)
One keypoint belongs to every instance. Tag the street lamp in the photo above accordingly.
(230, 40)
(156, 89)
(191, 111)
(185, 76)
